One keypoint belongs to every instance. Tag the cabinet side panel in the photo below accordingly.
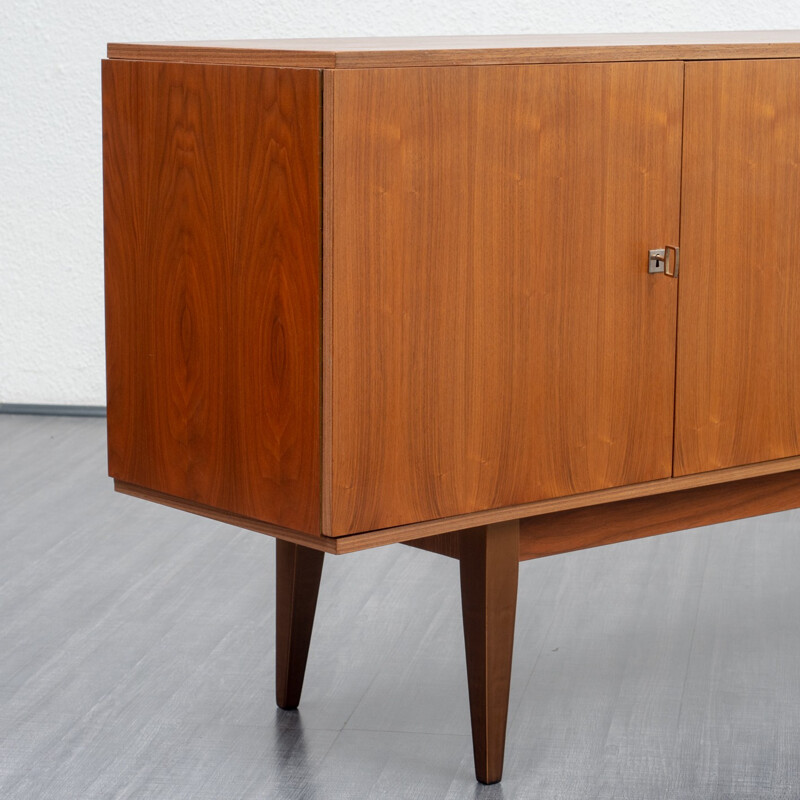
(212, 252)
(496, 337)
(738, 375)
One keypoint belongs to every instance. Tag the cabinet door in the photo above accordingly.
(496, 338)
(738, 376)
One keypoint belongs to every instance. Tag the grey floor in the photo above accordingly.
(136, 657)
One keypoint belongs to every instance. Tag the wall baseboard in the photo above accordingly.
(52, 410)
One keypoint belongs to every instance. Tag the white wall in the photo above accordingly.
(51, 258)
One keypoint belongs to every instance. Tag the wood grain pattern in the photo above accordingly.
(298, 571)
(738, 376)
(497, 339)
(647, 516)
(489, 565)
(360, 52)
(212, 218)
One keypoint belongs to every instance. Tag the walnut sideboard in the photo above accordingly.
(495, 297)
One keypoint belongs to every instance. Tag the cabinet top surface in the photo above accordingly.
(458, 50)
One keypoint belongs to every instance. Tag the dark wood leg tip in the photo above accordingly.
(489, 774)
(288, 697)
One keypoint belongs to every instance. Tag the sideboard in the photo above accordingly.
(494, 297)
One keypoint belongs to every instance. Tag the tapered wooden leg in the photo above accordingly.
(489, 559)
(299, 570)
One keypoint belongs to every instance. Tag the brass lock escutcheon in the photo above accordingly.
(666, 260)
